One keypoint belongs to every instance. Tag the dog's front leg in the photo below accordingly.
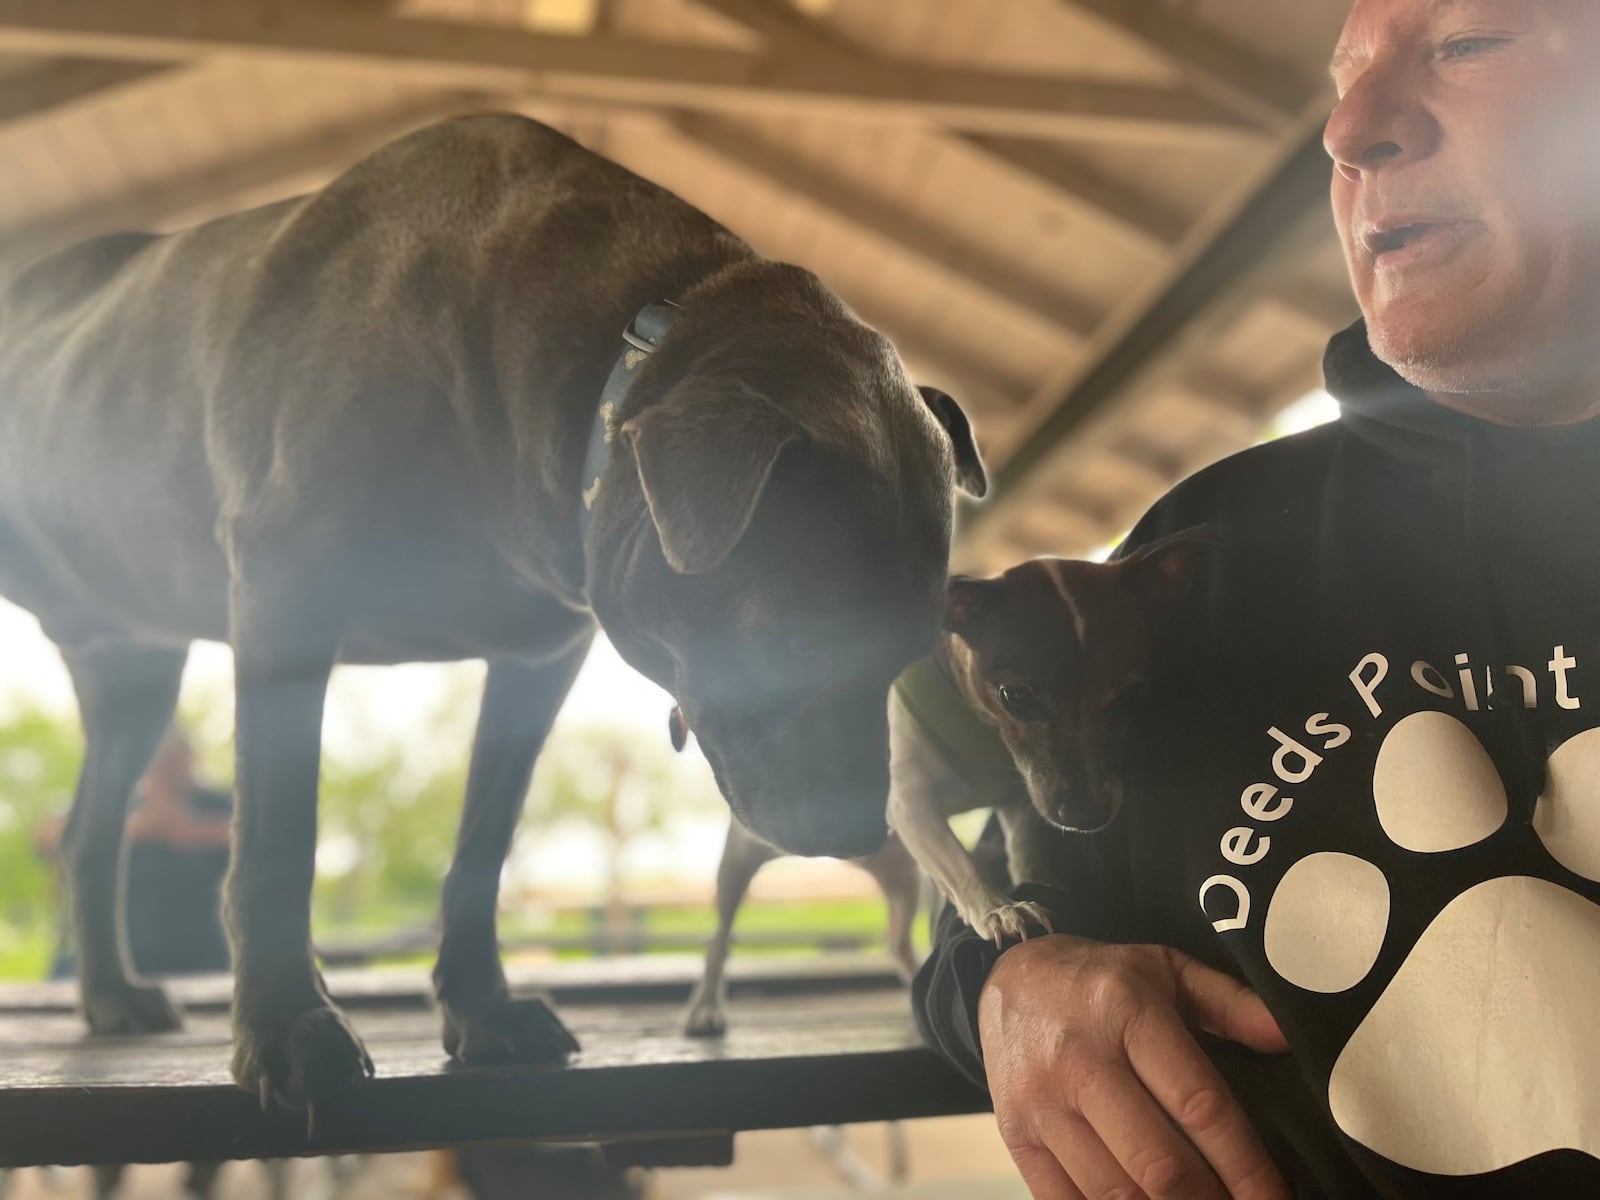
(290, 1043)
(897, 876)
(126, 695)
(743, 854)
(482, 1022)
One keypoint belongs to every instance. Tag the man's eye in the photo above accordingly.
(1470, 47)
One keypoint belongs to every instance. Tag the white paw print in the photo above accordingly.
(1483, 1049)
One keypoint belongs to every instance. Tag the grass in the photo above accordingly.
(25, 953)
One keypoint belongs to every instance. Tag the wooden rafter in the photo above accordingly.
(1244, 83)
(1074, 184)
(1146, 226)
(58, 82)
(606, 66)
(1242, 260)
(211, 187)
(889, 223)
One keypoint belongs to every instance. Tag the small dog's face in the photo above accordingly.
(783, 579)
(1052, 650)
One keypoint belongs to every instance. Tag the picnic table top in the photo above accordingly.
(811, 1042)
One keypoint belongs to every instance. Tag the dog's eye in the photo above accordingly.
(1021, 702)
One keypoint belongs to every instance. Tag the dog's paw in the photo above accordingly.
(299, 1062)
(507, 1030)
(707, 1016)
(131, 1008)
(1012, 921)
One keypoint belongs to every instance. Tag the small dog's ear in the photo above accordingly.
(969, 467)
(968, 604)
(704, 455)
(1167, 567)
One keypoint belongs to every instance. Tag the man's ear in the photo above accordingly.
(704, 455)
(969, 604)
(1167, 568)
(969, 467)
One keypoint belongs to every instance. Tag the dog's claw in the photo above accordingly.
(311, 1119)
(524, 1029)
(1012, 921)
(301, 1061)
(131, 1008)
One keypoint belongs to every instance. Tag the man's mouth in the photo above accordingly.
(1404, 243)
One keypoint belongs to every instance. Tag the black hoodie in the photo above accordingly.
(1368, 784)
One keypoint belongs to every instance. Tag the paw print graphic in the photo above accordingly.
(1483, 1049)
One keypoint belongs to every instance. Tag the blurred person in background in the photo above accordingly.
(177, 854)
(178, 838)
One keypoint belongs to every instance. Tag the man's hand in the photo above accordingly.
(1099, 1087)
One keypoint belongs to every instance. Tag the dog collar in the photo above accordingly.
(642, 336)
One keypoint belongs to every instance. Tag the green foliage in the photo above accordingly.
(387, 818)
(39, 756)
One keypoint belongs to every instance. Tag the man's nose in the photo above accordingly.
(1381, 120)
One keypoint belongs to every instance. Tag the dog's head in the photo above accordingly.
(783, 557)
(1052, 651)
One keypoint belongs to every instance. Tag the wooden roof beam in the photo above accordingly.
(210, 187)
(1074, 185)
(1224, 72)
(889, 223)
(55, 83)
(1146, 226)
(606, 66)
(1242, 255)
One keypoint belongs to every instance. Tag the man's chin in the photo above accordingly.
(1435, 357)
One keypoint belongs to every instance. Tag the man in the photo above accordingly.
(1369, 785)
(178, 837)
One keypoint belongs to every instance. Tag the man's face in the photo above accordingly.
(1466, 188)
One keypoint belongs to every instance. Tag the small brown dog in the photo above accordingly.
(1041, 658)
(1017, 710)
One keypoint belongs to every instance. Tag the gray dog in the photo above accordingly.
(352, 427)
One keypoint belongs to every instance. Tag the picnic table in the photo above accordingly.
(811, 1042)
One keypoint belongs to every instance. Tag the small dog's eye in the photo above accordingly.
(1020, 702)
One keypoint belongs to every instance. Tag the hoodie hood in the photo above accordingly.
(1380, 408)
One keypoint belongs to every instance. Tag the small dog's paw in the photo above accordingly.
(1012, 921)
(299, 1062)
(130, 1009)
(507, 1030)
(706, 1017)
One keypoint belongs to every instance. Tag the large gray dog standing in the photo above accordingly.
(352, 427)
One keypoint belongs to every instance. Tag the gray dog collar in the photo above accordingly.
(642, 336)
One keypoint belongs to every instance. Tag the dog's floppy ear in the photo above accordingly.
(969, 604)
(704, 454)
(969, 467)
(1167, 567)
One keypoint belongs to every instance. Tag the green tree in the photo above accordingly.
(619, 782)
(39, 756)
